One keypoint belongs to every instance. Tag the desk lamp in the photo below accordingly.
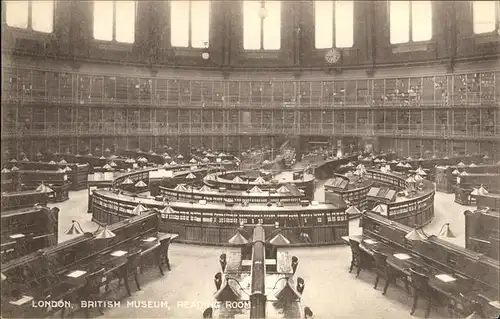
(446, 232)
(100, 233)
(308, 313)
(380, 209)
(238, 239)
(104, 233)
(353, 210)
(482, 190)
(74, 229)
(417, 234)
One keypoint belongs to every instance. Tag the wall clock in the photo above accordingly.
(332, 56)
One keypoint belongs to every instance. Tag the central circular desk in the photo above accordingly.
(213, 217)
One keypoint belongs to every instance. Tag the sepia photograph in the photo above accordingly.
(250, 159)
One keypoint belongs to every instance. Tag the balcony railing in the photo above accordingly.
(25, 85)
(116, 129)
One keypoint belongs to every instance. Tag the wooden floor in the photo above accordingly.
(330, 290)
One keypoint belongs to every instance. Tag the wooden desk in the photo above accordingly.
(248, 262)
(436, 252)
(274, 308)
(408, 260)
(43, 272)
(461, 289)
(22, 199)
(27, 230)
(489, 200)
(77, 176)
(113, 260)
(482, 233)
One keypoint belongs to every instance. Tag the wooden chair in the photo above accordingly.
(89, 292)
(360, 259)
(459, 305)
(223, 262)
(295, 263)
(114, 272)
(383, 270)
(158, 257)
(165, 244)
(308, 313)
(300, 285)
(481, 304)
(218, 280)
(421, 288)
(208, 313)
(133, 262)
(158, 254)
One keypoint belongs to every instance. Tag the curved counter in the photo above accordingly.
(215, 223)
(352, 191)
(412, 210)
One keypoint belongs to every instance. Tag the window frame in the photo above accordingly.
(334, 26)
(29, 27)
(497, 20)
(113, 31)
(261, 35)
(410, 28)
(190, 27)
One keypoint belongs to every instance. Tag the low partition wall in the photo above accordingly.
(447, 176)
(482, 233)
(490, 181)
(22, 180)
(97, 161)
(353, 195)
(215, 224)
(414, 211)
(77, 174)
(21, 199)
(115, 178)
(236, 197)
(387, 179)
(490, 200)
(432, 163)
(452, 259)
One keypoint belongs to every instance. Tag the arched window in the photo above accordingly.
(114, 20)
(19, 14)
(261, 25)
(189, 23)
(334, 24)
(410, 21)
(485, 16)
